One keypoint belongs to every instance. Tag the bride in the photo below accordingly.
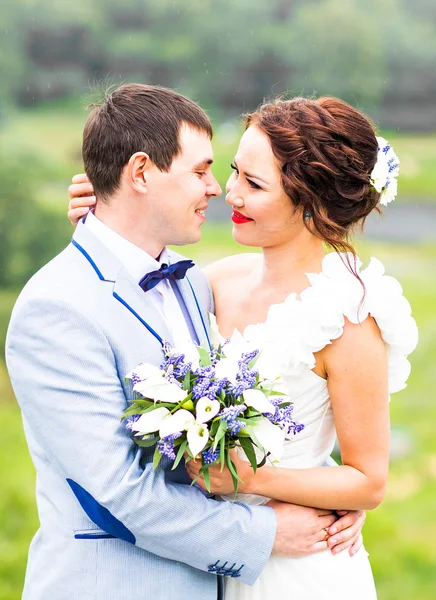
(306, 173)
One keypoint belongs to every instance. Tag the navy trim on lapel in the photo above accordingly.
(201, 315)
(125, 290)
(131, 296)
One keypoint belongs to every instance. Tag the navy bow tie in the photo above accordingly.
(175, 271)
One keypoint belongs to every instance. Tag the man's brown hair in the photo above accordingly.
(136, 118)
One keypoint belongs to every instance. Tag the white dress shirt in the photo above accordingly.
(138, 263)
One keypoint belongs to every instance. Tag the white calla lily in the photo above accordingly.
(271, 436)
(236, 346)
(206, 409)
(144, 371)
(151, 421)
(160, 389)
(227, 369)
(257, 400)
(179, 421)
(197, 436)
(215, 336)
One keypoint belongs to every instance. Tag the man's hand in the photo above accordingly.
(300, 530)
(81, 198)
(346, 533)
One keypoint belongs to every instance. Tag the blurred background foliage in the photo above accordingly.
(228, 56)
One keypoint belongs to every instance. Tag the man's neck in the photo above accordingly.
(127, 226)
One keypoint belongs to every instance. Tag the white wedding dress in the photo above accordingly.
(294, 330)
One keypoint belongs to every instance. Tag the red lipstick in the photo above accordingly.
(238, 218)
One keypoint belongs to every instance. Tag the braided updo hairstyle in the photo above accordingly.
(327, 150)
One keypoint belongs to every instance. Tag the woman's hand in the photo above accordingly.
(81, 198)
(222, 482)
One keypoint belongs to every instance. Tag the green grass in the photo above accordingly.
(399, 535)
(53, 135)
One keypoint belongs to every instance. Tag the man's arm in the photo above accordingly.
(65, 377)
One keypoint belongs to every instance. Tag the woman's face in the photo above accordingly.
(263, 215)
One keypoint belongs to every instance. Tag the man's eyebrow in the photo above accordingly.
(203, 163)
(251, 176)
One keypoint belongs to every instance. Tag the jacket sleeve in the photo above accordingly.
(64, 375)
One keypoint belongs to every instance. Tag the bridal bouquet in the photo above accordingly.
(202, 404)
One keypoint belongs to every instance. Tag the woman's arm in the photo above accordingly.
(356, 368)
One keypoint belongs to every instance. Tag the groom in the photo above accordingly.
(110, 526)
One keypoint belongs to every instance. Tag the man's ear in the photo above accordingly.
(137, 170)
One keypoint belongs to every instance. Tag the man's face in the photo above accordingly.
(176, 200)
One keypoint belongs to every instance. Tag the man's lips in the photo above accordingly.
(238, 218)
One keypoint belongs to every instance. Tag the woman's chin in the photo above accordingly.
(244, 238)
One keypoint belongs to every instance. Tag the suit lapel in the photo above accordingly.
(127, 291)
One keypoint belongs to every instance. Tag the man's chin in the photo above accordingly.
(186, 241)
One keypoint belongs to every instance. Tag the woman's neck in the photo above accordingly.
(287, 263)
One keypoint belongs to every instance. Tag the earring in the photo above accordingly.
(307, 216)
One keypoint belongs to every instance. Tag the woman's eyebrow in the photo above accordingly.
(250, 175)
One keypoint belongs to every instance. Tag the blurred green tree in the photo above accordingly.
(30, 235)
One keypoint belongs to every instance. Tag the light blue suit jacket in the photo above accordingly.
(110, 526)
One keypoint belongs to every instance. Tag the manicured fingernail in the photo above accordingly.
(335, 550)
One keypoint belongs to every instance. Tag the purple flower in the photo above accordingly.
(210, 456)
(230, 414)
(245, 379)
(130, 421)
(284, 417)
(247, 357)
(166, 446)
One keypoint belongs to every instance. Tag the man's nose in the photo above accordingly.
(214, 188)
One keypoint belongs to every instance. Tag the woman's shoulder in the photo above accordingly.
(337, 293)
(232, 267)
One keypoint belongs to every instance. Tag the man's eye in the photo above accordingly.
(201, 173)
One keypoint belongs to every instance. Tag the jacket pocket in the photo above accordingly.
(92, 534)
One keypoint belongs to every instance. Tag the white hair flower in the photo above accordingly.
(385, 172)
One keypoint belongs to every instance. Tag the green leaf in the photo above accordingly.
(247, 446)
(180, 453)
(214, 427)
(220, 433)
(147, 443)
(262, 462)
(204, 357)
(233, 472)
(251, 412)
(206, 475)
(156, 458)
(187, 381)
(222, 453)
(142, 402)
(137, 408)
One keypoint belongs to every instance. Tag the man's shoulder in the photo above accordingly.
(58, 281)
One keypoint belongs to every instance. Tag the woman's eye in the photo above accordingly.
(232, 166)
(201, 173)
(253, 185)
